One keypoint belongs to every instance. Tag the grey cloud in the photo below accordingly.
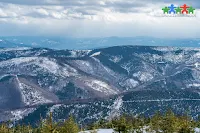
(79, 9)
(89, 10)
(91, 7)
(64, 17)
(92, 2)
(79, 3)
(194, 3)
(36, 15)
(49, 2)
(24, 2)
(125, 4)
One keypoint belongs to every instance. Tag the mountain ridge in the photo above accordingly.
(120, 79)
(92, 43)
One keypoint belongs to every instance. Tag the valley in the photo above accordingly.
(98, 83)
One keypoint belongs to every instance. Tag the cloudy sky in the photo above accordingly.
(96, 18)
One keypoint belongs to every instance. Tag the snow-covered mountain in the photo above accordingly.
(7, 44)
(105, 82)
(91, 43)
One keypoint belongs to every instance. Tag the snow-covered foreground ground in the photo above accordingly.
(197, 130)
(101, 131)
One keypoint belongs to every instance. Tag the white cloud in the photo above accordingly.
(43, 11)
(2, 13)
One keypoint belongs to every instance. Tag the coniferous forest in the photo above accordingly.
(166, 122)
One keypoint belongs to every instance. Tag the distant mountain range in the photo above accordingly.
(99, 83)
(91, 43)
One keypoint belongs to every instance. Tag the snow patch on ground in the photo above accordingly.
(166, 49)
(31, 96)
(101, 87)
(197, 55)
(115, 108)
(142, 130)
(14, 49)
(197, 64)
(127, 66)
(55, 107)
(83, 63)
(49, 65)
(132, 83)
(171, 57)
(46, 64)
(116, 59)
(19, 114)
(79, 53)
(86, 66)
(197, 130)
(129, 83)
(117, 104)
(3, 76)
(100, 131)
(17, 61)
(143, 76)
(193, 85)
(95, 54)
(108, 70)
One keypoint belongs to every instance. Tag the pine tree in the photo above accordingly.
(134, 123)
(94, 130)
(48, 126)
(69, 126)
(120, 125)
(156, 121)
(198, 122)
(26, 129)
(4, 128)
(186, 125)
(169, 124)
